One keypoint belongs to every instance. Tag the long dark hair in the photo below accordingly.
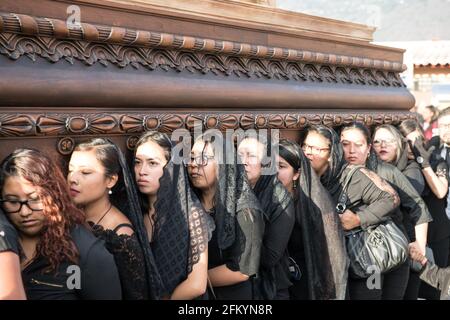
(107, 153)
(322, 237)
(180, 232)
(410, 125)
(125, 197)
(61, 214)
(293, 154)
(434, 111)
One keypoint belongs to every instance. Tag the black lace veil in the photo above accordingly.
(337, 162)
(180, 233)
(127, 201)
(238, 217)
(323, 237)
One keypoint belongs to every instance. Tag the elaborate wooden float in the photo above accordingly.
(116, 68)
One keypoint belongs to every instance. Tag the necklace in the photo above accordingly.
(110, 206)
(150, 229)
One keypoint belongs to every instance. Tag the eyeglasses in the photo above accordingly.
(199, 161)
(313, 150)
(13, 206)
(444, 126)
(379, 142)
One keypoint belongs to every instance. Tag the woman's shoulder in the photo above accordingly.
(8, 236)
(85, 240)
(363, 177)
(118, 223)
(387, 170)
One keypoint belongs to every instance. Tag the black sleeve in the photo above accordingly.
(99, 276)
(276, 235)
(376, 198)
(129, 259)
(8, 236)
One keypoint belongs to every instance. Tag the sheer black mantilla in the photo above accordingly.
(238, 218)
(337, 164)
(322, 237)
(127, 201)
(181, 231)
(278, 207)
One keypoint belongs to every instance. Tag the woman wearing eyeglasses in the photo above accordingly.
(60, 258)
(412, 215)
(177, 226)
(370, 199)
(223, 189)
(11, 287)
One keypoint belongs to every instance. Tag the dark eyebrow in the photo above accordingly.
(14, 195)
(147, 159)
(71, 165)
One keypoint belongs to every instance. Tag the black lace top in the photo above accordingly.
(129, 259)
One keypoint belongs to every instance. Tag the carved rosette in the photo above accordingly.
(65, 146)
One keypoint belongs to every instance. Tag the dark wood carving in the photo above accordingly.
(54, 124)
(52, 40)
(234, 85)
(65, 146)
(16, 46)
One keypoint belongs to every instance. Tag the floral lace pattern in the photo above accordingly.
(129, 259)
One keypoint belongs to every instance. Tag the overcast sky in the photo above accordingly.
(396, 20)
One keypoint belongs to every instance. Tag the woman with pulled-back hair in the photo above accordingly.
(102, 186)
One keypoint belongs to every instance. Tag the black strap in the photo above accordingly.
(343, 197)
(123, 225)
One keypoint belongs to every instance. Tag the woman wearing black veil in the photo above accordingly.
(412, 216)
(317, 242)
(101, 184)
(371, 200)
(278, 207)
(223, 189)
(174, 219)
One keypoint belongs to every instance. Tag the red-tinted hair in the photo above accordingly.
(61, 214)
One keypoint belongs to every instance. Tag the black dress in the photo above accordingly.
(129, 259)
(278, 207)
(98, 276)
(439, 228)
